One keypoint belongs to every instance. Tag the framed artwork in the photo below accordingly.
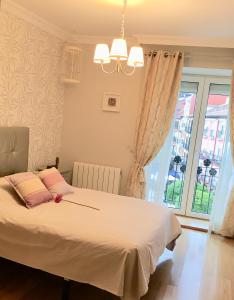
(111, 102)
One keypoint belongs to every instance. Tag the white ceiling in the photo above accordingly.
(194, 18)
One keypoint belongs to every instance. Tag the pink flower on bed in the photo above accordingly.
(58, 198)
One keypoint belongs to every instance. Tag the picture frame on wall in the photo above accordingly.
(111, 102)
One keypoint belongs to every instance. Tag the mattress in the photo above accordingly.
(109, 241)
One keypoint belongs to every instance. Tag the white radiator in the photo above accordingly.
(95, 177)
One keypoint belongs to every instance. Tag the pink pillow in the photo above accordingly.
(55, 182)
(30, 188)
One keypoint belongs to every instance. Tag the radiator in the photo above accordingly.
(101, 178)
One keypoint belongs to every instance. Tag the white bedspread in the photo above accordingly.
(115, 248)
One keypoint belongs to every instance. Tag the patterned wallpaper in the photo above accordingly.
(30, 92)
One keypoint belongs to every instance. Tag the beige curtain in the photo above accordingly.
(161, 86)
(231, 114)
(227, 228)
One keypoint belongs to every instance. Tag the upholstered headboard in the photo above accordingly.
(14, 143)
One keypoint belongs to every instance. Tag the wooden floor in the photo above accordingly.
(201, 268)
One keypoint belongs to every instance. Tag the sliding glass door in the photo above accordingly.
(196, 143)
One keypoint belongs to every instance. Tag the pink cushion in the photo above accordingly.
(55, 182)
(30, 188)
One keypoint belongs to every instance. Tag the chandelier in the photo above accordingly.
(119, 52)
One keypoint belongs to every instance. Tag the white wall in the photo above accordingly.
(30, 91)
(202, 57)
(92, 135)
(31, 95)
(105, 138)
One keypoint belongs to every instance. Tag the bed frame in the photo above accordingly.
(14, 145)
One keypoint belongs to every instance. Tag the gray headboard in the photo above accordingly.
(14, 143)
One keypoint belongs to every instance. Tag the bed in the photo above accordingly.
(109, 241)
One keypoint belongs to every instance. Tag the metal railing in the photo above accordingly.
(206, 181)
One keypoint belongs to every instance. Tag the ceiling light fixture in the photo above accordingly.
(119, 52)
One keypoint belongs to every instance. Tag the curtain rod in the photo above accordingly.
(166, 54)
(188, 55)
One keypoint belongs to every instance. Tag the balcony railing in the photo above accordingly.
(206, 181)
